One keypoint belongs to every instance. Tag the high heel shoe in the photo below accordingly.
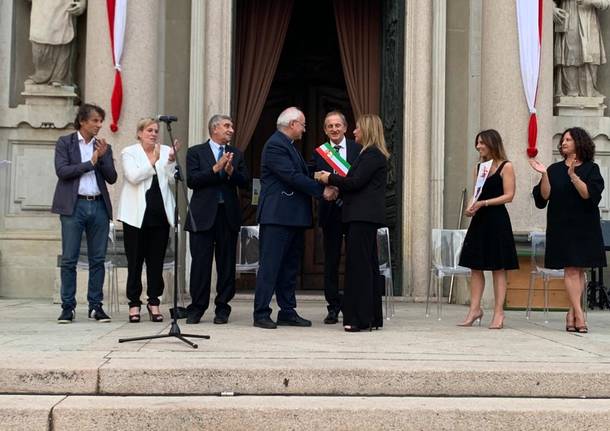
(474, 319)
(570, 327)
(500, 326)
(581, 329)
(134, 318)
(154, 317)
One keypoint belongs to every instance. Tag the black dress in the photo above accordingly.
(489, 244)
(573, 230)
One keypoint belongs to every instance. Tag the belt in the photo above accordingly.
(90, 198)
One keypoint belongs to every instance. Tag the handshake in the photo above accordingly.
(331, 193)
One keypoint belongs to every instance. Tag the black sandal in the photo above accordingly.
(154, 317)
(134, 318)
(582, 329)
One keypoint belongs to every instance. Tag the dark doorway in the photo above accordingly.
(310, 76)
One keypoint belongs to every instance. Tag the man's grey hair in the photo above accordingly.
(337, 113)
(288, 115)
(215, 121)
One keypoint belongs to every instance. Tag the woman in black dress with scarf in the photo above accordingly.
(489, 244)
(572, 188)
(363, 194)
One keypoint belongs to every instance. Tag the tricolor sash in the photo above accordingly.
(333, 158)
(482, 175)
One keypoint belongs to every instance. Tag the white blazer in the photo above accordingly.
(138, 178)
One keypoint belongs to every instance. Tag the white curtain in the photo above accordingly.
(529, 23)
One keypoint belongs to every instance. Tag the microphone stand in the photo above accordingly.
(174, 330)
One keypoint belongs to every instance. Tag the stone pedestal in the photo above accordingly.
(62, 96)
(578, 106)
(48, 106)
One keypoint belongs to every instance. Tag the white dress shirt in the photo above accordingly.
(87, 185)
(215, 148)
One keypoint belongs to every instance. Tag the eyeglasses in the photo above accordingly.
(301, 123)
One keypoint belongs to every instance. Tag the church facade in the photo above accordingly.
(441, 71)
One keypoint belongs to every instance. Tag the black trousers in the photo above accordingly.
(219, 241)
(147, 244)
(334, 231)
(362, 296)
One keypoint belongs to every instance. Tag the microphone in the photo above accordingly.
(167, 118)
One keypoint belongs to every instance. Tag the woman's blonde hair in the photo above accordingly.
(371, 133)
(143, 124)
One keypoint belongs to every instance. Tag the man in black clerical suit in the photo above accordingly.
(215, 170)
(329, 212)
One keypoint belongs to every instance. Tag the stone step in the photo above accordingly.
(136, 374)
(270, 413)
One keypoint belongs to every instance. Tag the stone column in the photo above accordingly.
(139, 69)
(417, 141)
(211, 63)
(503, 104)
(439, 41)
(503, 107)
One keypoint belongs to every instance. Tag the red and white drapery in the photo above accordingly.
(117, 11)
(529, 23)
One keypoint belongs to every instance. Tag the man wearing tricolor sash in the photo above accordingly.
(336, 155)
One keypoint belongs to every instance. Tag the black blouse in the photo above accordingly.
(154, 216)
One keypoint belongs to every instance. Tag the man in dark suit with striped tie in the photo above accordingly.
(215, 170)
(329, 212)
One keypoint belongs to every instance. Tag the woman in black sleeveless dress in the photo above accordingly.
(574, 242)
(489, 244)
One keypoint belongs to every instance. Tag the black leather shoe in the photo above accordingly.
(66, 316)
(99, 315)
(294, 321)
(193, 319)
(220, 320)
(265, 323)
(331, 318)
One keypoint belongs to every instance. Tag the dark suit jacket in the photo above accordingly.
(69, 169)
(206, 185)
(364, 188)
(286, 185)
(324, 207)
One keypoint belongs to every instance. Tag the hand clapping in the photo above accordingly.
(537, 166)
(172, 154)
(572, 166)
(229, 163)
(101, 146)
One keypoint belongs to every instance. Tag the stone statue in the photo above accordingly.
(52, 33)
(579, 48)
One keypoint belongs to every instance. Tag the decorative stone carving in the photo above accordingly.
(52, 33)
(33, 166)
(578, 51)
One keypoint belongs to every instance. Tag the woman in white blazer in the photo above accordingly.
(146, 208)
